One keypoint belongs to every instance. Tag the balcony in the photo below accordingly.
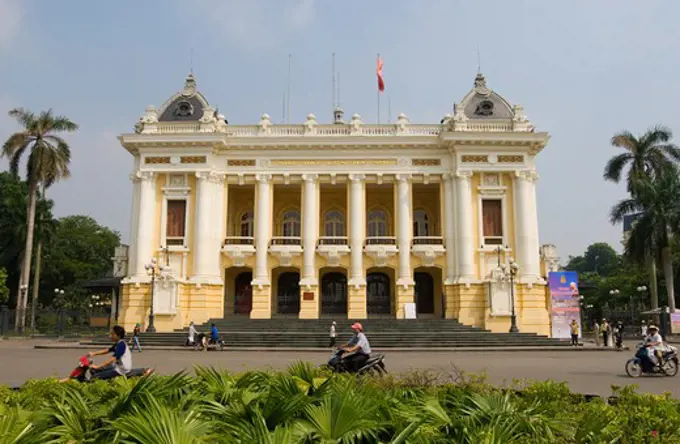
(333, 248)
(286, 248)
(238, 249)
(428, 248)
(380, 248)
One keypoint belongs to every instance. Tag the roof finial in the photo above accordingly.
(191, 62)
(479, 62)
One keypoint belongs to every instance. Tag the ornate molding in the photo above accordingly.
(528, 175)
(310, 177)
(142, 176)
(241, 162)
(332, 162)
(403, 177)
(426, 162)
(211, 176)
(156, 159)
(193, 159)
(474, 158)
(464, 174)
(263, 178)
(510, 159)
(357, 177)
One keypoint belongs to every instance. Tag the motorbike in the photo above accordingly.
(209, 344)
(84, 372)
(642, 364)
(374, 366)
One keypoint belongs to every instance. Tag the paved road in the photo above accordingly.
(585, 371)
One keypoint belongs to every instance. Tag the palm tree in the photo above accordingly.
(658, 202)
(647, 155)
(48, 161)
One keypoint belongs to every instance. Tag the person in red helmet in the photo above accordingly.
(358, 349)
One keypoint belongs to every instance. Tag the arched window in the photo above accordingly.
(246, 224)
(291, 223)
(334, 224)
(421, 224)
(377, 223)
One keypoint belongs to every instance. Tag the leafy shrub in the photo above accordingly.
(308, 405)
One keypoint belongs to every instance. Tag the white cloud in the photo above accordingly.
(252, 23)
(11, 15)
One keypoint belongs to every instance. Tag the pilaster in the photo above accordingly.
(465, 244)
(143, 247)
(207, 226)
(262, 231)
(449, 230)
(526, 215)
(405, 230)
(356, 229)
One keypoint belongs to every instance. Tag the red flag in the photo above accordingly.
(378, 71)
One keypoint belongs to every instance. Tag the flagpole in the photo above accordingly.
(378, 59)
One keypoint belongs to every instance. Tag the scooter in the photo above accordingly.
(374, 366)
(218, 345)
(84, 373)
(642, 364)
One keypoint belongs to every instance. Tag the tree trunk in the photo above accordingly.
(667, 259)
(28, 250)
(653, 287)
(38, 264)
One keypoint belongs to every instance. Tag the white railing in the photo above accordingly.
(286, 240)
(381, 240)
(239, 240)
(489, 126)
(333, 240)
(428, 240)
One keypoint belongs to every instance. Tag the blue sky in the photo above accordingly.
(583, 70)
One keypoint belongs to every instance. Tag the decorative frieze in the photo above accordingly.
(155, 159)
(475, 159)
(510, 159)
(332, 162)
(193, 159)
(241, 162)
(426, 162)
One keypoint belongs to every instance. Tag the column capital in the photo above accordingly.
(310, 177)
(447, 176)
(140, 175)
(357, 177)
(528, 175)
(403, 177)
(211, 176)
(263, 178)
(464, 174)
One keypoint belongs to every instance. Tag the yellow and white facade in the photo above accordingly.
(345, 219)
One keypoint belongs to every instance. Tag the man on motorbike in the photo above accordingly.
(654, 344)
(358, 349)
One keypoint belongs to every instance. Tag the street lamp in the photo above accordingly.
(514, 268)
(152, 268)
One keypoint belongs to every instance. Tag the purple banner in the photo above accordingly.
(565, 305)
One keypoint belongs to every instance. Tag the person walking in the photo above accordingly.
(191, 340)
(604, 331)
(596, 329)
(573, 327)
(135, 338)
(643, 330)
(333, 335)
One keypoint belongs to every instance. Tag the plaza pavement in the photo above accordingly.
(588, 372)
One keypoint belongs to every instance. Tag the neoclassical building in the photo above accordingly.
(345, 219)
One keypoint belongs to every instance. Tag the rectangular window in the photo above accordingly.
(492, 221)
(175, 224)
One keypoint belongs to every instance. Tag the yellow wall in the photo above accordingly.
(333, 198)
(382, 197)
(241, 199)
(285, 198)
(427, 197)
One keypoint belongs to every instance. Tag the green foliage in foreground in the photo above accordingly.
(305, 405)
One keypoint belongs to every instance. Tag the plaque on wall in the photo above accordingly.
(308, 296)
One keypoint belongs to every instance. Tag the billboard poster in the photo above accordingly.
(565, 305)
(675, 323)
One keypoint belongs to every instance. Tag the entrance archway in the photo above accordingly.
(334, 293)
(288, 293)
(424, 292)
(378, 294)
(243, 293)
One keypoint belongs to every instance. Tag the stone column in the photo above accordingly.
(134, 227)
(357, 229)
(526, 226)
(206, 227)
(449, 230)
(144, 242)
(466, 238)
(310, 226)
(262, 304)
(356, 291)
(405, 285)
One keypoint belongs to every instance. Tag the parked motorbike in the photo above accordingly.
(83, 371)
(642, 364)
(374, 366)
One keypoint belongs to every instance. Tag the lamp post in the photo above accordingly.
(514, 268)
(152, 268)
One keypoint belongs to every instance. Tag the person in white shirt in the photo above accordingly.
(192, 334)
(359, 349)
(644, 329)
(333, 335)
(654, 344)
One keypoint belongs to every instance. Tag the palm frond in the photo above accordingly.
(614, 168)
(624, 208)
(624, 139)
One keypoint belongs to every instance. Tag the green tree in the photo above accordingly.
(599, 258)
(13, 206)
(4, 291)
(80, 249)
(658, 201)
(48, 161)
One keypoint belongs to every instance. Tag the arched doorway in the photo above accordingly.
(334, 293)
(424, 292)
(378, 294)
(288, 289)
(243, 293)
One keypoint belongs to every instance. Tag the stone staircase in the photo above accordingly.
(382, 333)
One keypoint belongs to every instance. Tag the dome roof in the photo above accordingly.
(483, 103)
(186, 105)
